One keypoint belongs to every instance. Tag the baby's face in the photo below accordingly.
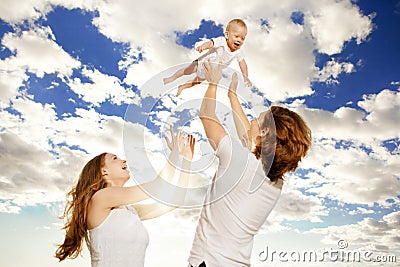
(235, 36)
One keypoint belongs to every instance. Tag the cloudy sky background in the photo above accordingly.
(71, 70)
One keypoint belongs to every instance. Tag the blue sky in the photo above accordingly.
(79, 78)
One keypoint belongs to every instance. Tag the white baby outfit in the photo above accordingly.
(220, 52)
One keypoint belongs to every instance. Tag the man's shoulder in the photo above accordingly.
(232, 146)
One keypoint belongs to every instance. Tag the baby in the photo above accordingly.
(223, 49)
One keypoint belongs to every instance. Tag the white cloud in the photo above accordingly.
(11, 79)
(376, 120)
(30, 174)
(349, 161)
(350, 174)
(296, 206)
(361, 210)
(335, 22)
(28, 167)
(380, 234)
(102, 88)
(93, 132)
(35, 122)
(151, 32)
(9, 208)
(36, 51)
(383, 110)
(332, 69)
(286, 50)
(13, 11)
(16, 12)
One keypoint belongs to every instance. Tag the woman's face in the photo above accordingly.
(115, 170)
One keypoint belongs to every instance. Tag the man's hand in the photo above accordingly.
(212, 73)
(247, 81)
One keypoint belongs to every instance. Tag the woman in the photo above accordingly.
(97, 211)
(249, 177)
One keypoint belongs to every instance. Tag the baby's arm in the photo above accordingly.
(207, 45)
(245, 72)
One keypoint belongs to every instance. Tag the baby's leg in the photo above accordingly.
(184, 86)
(184, 71)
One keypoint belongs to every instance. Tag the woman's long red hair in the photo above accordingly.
(90, 181)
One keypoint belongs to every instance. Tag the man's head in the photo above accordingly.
(283, 138)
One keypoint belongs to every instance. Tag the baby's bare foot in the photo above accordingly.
(180, 89)
(167, 80)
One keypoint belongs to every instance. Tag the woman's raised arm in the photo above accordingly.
(172, 196)
(116, 196)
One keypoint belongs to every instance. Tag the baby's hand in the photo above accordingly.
(200, 48)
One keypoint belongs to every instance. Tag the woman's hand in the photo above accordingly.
(181, 144)
(173, 145)
(186, 146)
(212, 74)
(233, 85)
